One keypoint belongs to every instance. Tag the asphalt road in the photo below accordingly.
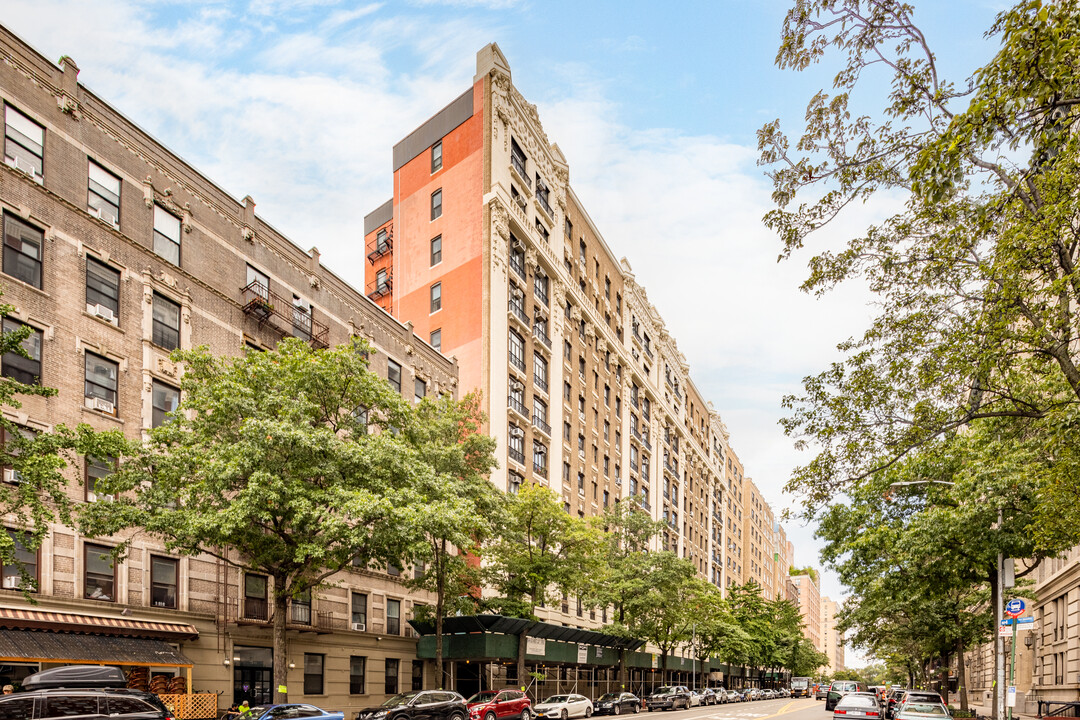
(785, 708)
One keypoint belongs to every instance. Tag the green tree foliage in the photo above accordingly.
(623, 576)
(41, 496)
(775, 633)
(539, 553)
(462, 506)
(976, 275)
(293, 463)
(665, 612)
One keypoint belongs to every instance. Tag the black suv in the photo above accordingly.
(426, 704)
(86, 691)
(669, 697)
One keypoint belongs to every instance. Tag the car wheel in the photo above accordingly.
(637, 707)
(490, 716)
(563, 715)
(617, 709)
(588, 712)
(525, 714)
(456, 716)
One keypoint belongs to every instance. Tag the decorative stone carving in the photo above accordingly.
(314, 281)
(500, 219)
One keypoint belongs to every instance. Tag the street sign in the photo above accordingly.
(1011, 697)
(1024, 623)
(1015, 607)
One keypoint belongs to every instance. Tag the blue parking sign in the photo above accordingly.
(1015, 607)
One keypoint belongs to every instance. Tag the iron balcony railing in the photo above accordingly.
(517, 406)
(272, 310)
(540, 470)
(518, 163)
(517, 264)
(518, 362)
(516, 455)
(519, 312)
(539, 334)
(540, 382)
(540, 423)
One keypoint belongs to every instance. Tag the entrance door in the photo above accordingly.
(253, 685)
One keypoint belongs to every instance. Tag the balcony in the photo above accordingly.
(299, 616)
(540, 382)
(278, 313)
(516, 455)
(380, 247)
(517, 164)
(517, 264)
(518, 362)
(541, 425)
(539, 334)
(517, 406)
(518, 312)
(648, 350)
(540, 470)
(379, 289)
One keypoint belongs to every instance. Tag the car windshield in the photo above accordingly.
(924, 709)
(609, 696)
(482, 697)
(858, 701)
(401, 699)
(555, 699)
(258, 710)
(664, 691)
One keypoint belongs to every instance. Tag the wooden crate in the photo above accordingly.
(192, 706)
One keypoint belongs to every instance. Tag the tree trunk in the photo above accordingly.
(281, 662)
(663, 666)
(440, 666)
(522, 644)
(622, 670)
(944, 675)
(961, 676)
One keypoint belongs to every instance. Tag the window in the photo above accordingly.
(540, 412)
(359, 610)
(540, 287)
(607, 288)
(393, 374)
(517, 158)
(165, 400)
(568, 228)
(436, 157)
(381, 281)
(103, 194)
(566, 391)
(568, 349)
(436, 297)
(391, 684)
(382, 240)
(96, 469)
(419, 389)
(417, 674)
(100, 384)
(301, 318)
(258, 282)
(22, 250)
(100, 573)
(24, 142)
(255, 596)
(517, 351)
(436, 339)
(102, 290)
(166, 235)
(436, 250)
(393, 617)
(166, 329)
(514, 483)
(542, 230)
(313, 674)
(516, 443)
(163, 581)
(539, 459)
(542, 194)
(23, 574)
(517, 256)
(540, 371)
(436, 204)
(357, 674)
(607, 395)
(26, 370)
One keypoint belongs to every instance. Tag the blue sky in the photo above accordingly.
(655, 104)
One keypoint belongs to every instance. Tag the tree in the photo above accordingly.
(538, 550)
(37, 459)
(665, 612)
(749, 609)
(628, 530)
(288, 463)
(976, 276)
(714, 630)
(461, 505)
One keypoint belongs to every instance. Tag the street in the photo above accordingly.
(800, 709)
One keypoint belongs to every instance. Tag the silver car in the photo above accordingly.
(857, 706)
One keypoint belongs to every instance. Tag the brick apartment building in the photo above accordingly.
(486, 249)
(116, 251)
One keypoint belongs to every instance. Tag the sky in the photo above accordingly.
(655, 105)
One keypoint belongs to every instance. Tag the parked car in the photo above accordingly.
(669, 697)
(84, 690)
(291, 710)
(564, 706)
(499, 705)
(709, 697)
(892, 701)
(821, 691)
(695, 698)
(857, 706)
(922, 711)
(617, 704)
(421, 705)
(840, 688)
(733, 696)
(921, 696)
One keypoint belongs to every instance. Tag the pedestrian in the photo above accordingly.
(9, 689)
(244, 709)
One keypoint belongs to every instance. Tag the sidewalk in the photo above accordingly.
(988, 711)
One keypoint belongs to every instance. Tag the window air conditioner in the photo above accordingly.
(96, 212)
(11, 582)
(359, 627)
(520, 200)
(11, 475)
(27, 168)
(103, 405)
(102, 312)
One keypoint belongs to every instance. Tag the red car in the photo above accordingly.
(500, 705)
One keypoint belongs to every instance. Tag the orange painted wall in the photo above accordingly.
(461, 224)
(383, 262)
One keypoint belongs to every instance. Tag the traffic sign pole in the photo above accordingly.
(1012, 668)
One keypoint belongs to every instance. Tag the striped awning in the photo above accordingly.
(23, 619)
